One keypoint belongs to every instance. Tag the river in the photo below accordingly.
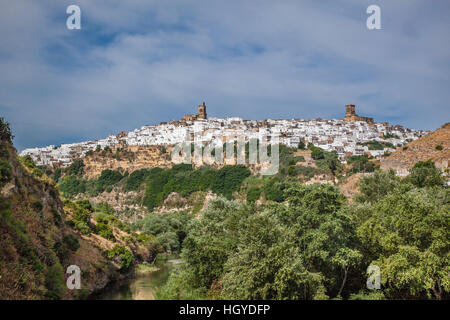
(142, 286)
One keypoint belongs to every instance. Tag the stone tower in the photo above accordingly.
(202, 111)
(351, 116)
(350, 110)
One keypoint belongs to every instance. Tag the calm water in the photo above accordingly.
(141, 287)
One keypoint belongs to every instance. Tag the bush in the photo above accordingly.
(377, 145)
(104, 231)
(274, 190)
(5, 172)
(71, 242)
(37, 172)
(85, 204)
(107, 179)
(76, 168)
(253, 194)
(63, 248)
(439, 147)
(71, 185)
(361, 164)
(425, 174)
(317, 153)
(126, 257)
(38, 205)
(54, 281)
(83, 228)
(57, 174)
(135, 180)
(28, 162)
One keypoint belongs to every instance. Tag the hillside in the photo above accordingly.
(435, 146)
(40, 237)
(128, 158)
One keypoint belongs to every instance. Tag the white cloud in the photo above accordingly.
(135, 63)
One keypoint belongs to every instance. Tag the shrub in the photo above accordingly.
(54, 281)
(5, 172)
(84, 204)
(67, 244)
(28, 162)
(135, 180)
(38, 205)
(425, 174)
(71, 242)
(37, 172)
(83, 228)
(439, 147)
(253, 194)
(107, 179)
(76, 168)
(377, 145)
(274, 190)
(57, 174)
(125, 255)
(71, 185)
(104, 231)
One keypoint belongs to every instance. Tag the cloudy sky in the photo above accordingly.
(137, 62)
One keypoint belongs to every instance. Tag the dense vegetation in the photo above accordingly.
(166, 232)
(184, 180)
(377, 145)
(361, 164)
(35, 245)
(319, 246)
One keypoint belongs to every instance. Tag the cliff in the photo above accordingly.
(435, 146)
(37, 241)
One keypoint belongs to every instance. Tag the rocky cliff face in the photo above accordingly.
(129, 158)
(36, 242)
(435, 146)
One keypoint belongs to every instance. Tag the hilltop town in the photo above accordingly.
(351, 135)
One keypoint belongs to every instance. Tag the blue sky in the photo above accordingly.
(141, 62)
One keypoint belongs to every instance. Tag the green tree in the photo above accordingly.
(267, 264)
(5, 172)
(376, 186)
(76, 168)
(5, 131)
(253, 194)
(406, 235)
(425, 174)
(211, 240)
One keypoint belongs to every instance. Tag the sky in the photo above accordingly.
(136, 63)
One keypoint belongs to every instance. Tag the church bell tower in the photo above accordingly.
(202, 111)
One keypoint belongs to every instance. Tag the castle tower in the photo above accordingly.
(350, 110)
(202, 111)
